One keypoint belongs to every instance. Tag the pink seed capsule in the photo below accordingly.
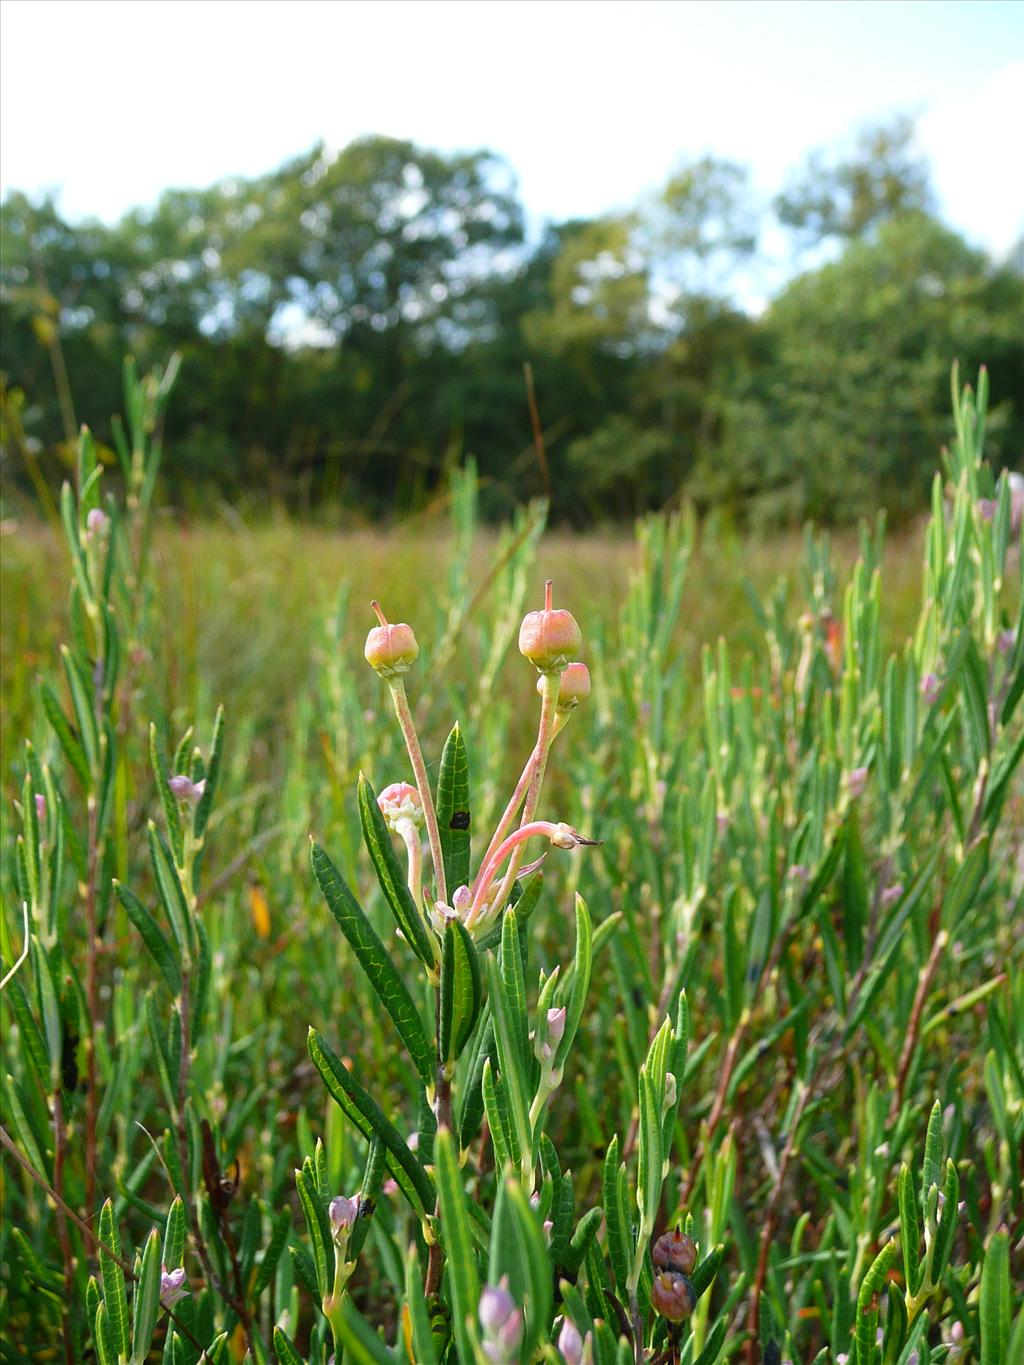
(573, 687)
(390, 649)
(550, 639)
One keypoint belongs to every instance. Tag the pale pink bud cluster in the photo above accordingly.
(555, 1032)
(400, 801)
(96, 521)
(931, 686)
(570, 1343)
(185, 790)
(892, 894)
(342, 1212)
(40, 804)
(502, 1322)
(856, 782)
(173, 1286)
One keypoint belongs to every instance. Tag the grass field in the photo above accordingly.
(802, 770)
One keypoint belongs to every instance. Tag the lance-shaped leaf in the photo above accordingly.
(115, 1295)
(171, 894)
(146, 1303)
(419, 1339)
(362, 1344)
(616, 1214)
(152, 936)
(318, 1225)
(994, 1301)
(285, 1350)
(944, 1233)
(73, 751)
(703, 1276)
(172, 812)
(910, 1230)
(713, 1346)
(461, 991)
(271, 1256)
(867, 1301)
(368, 1117)
(174, 1235)
(391, 876)
(463, 1278)
(580, 982)
(453, 809)
(375, 961)
(211, 777)
(507, 1034)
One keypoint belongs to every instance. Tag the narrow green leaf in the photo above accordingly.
(172, 896)
(616, 1216)
(211, 777)
(453, 814)
(146, 1304)
(172, 812)
(582, 962)
(947, 1223)
(174, 1235)
(319, 1229)
(152, 936)
(375, 961)
(391, 876)
(115, 1296)
(423, 1352)
(285, 1350)
(910, 1230)
(364, 1111)
(463, 1277)
(994, 1300)
(362, 1344)
(461, 991)
(73, 751)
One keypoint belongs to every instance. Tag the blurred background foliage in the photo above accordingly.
(354, 325)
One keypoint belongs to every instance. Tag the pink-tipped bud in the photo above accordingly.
(172, 1286)
(986, 508)
(462, 900)
(892, 894)
(1005, 641)
(390, 649)
(185, 790)
(570, 1343)
(672, 1296)
(556, 1024)
(931, 686)
(400, 801)
(856, 782)
(342, 1213)
(550, 639)
(497, 1307)
(40, 803)
(573, 686)
(96, 521)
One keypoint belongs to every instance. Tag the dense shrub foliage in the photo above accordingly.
(734, 1074)
(354, 325)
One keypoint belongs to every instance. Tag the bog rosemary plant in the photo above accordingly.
(689, 1035)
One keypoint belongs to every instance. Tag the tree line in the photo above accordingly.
(353, 324)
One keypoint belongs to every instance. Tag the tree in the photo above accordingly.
(841, 416)
(848, 199)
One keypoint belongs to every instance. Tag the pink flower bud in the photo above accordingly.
(1005, 641)
(570, 1343)
(931, 686)
(185, 790)
(172, 1286)
(462, 899)
(892, 894)
(400, 801)
(40, 802)
(96, 521)
(856, 781)
(549, 639)
(986, 508)
(556, 1024)
(342, 1212)
(497, 1306)
(390, 649)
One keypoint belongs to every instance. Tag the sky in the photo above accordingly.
(592, 102)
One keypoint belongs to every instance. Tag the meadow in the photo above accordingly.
(741, 1081)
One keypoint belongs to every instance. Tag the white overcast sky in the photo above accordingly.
(591, 101)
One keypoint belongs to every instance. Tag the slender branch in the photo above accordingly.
(412, 744)
(60, 1144)
(914, 1025)
(92, 999)
(549, 700)
(94, 1241)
